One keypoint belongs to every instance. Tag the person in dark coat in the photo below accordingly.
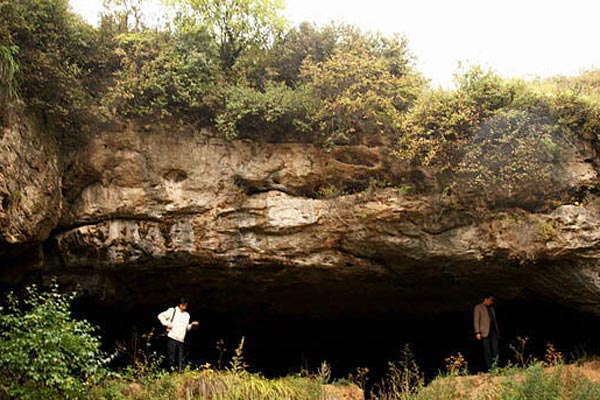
(486, 330)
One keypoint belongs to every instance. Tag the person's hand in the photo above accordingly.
(169, 327)
(195, 323)
(478, 336)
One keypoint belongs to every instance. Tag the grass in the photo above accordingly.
(535, 382)
(145, 380)
(213, 385)
(527, 379)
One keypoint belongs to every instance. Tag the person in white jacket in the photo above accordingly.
(177, 322)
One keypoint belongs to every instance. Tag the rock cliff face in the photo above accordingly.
(144, 217)
(30, 199)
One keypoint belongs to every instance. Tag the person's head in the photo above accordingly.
(183, 303)
(488, 300)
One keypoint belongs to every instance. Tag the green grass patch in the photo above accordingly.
(211, 384)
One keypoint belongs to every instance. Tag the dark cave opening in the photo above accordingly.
(277, 344)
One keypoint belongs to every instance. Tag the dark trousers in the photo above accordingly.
(490, 350)
(175, 354)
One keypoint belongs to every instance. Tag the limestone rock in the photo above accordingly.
(30, 181)
(289, 226)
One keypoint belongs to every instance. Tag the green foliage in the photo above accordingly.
(436, 127)
(44, 351)
(278, 113)
(161, 75)
(237, 364)
(442, 121)
(285, 58)
(585, 85)
(503, 141)
(514, 155)
(235, 25)
(233, 65)
(210, 384)
(486, 91)
(54, 55)
(538, 384)
(363, 91)
(9, 69)
(404, 378)
(578, 115)
(122, 16)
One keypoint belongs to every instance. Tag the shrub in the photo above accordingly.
(578, 115)
(235, 26)
(9, 69)
(540, 384)
(437, 128)
(443, 121)
(54, 54)
(486, 91)
(161, 76)
(363, 91)
(277, 113)
(404, 378)
(514, 156)
(585, 85)
(44, 351)
(284, 60)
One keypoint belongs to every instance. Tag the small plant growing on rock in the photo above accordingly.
(456, 364)
(237, 364)
(360, 378)
(547, 231)
(404, 378)
(553, 356)
(518, 349)
(324, 373)
(221, 349)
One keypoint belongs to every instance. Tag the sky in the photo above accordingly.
(515, 38)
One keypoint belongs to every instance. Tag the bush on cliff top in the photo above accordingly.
(161, 75)
(363, 91)
(55, 50)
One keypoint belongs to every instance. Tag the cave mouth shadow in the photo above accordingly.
(276, 345)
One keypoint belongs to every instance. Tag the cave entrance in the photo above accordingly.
(279, 344)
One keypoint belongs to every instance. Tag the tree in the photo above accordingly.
(299, 43)
(122, 16)
(236, 25)
(161, 75)
(52, 47)
(364, 92)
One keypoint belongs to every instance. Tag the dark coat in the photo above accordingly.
(481, 320)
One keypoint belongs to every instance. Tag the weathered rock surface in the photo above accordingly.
(30, 199)
(295, 229)
(30, 196)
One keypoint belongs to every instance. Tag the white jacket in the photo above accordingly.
(181, 323)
